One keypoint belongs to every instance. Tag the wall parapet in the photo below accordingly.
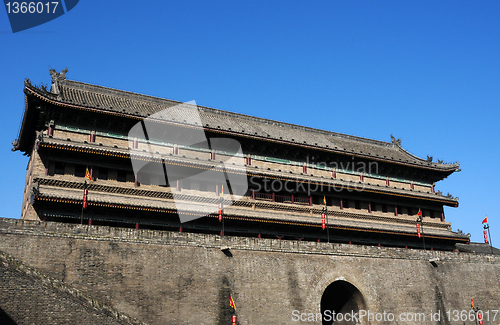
(160, 237)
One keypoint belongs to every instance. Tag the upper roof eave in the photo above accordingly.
(126, 153)
(93, 97)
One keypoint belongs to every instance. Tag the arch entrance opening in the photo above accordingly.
(339, 299)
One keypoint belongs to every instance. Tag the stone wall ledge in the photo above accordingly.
(158, 237)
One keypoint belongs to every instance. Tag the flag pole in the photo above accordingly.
(327, 230)
(486, 226)
(324, 215)
(222, 227)
(222, 206)
(421, 220)
(422, 231)
(84, 188)
(489, 235)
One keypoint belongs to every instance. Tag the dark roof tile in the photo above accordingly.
(119, 101)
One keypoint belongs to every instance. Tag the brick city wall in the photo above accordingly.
(31, 297)
(184, 278)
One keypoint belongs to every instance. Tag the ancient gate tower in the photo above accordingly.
(186, 206)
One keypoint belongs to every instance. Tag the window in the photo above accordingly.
(80, 171)
(59, 168)
(121, 176)
(103, 173)
(384, 208)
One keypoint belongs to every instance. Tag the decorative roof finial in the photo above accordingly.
(396, 142)
(56, 79)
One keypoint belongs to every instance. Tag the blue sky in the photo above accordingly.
(426, 71)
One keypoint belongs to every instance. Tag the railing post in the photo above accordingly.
(310, 200)
(274, 199)
(292, 199)
(253, 194)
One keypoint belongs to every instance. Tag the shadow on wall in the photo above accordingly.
(5, 319)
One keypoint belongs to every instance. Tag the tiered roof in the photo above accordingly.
(132, 106)
(123, 103)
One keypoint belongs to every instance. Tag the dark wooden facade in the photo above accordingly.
(373, 189)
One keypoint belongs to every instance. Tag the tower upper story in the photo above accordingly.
(371, 190)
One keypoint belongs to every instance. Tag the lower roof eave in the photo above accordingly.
(441, 235)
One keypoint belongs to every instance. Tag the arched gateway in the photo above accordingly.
(339, 300)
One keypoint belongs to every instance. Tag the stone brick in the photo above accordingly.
(164, 277)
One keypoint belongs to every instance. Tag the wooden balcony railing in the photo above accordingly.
(271, 197)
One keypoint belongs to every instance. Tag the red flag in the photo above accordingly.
(324, 200)
(471, 303)
(231, 302)
(485, 220)
(220, 204)
(85, 193)
(88, 176)
(419, 213)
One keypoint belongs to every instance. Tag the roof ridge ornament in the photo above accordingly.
(56, 79)
(396, 142)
